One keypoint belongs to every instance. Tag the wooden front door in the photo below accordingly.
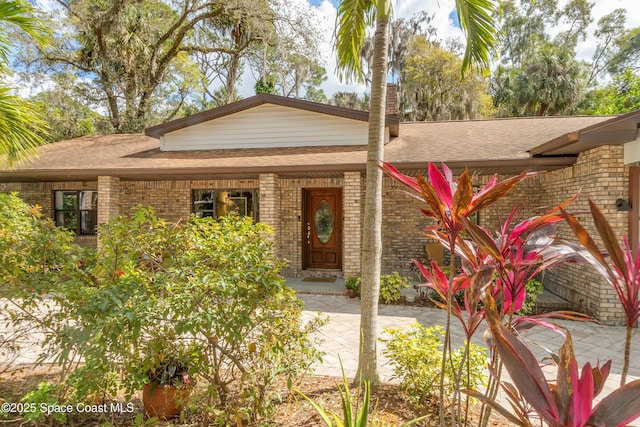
(322, 228)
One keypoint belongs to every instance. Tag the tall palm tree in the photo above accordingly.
(19, 124)
(354, 16)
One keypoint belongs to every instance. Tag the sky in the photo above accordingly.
(444, 11)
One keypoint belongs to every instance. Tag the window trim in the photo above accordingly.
(78, 211)
(254, 203)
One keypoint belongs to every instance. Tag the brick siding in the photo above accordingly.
(599, 174)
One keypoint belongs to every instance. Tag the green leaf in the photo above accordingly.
(325, 415)
(475, 17)
(352, 20)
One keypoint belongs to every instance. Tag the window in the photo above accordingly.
(77, 211)
(217, 203)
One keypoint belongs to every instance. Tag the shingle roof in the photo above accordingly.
(473, 140)
(480, 144)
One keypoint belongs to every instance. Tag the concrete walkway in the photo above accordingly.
(592, 342)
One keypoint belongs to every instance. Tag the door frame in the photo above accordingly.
(307, 216)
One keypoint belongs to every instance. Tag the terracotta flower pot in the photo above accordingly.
(352, 293)
(164, 401)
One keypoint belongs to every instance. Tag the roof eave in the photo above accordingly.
(154, 174)
(617, 130)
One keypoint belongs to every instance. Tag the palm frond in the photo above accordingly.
(354, 16)
(19, 14)
(20, 128)
(475, 17)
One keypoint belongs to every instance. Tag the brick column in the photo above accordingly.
(108, 199)
(269, 201)
(352, 234)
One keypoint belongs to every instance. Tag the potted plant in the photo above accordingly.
(168, 386)
(352, 283)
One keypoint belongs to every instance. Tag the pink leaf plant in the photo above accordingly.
(565, 402)
(621, 270)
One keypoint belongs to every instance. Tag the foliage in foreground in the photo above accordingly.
(496, 268)
(355, 413)
(203, 294)
(415, 355)
(566, 401)
(622, 271)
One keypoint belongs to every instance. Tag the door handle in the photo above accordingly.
(308, 233)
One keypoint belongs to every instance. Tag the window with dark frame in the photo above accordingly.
(223, 202)
(77, 211)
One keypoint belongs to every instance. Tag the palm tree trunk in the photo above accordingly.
(372, 223)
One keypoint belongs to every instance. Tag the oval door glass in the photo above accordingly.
(324, 222)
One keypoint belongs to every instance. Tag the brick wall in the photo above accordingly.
(108, 198)
(599, 174)
(402, 228)
(269, 201)
(171, 200)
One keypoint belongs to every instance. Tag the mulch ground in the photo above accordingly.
(392, 406)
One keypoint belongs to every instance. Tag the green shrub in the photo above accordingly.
(416, 357)
(391, 286)
(203, 293)
(534, 289)
(46, 395)
(42, 271)
(206, 294)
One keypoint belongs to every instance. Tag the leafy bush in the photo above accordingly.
(416, 354)
(391, 286)
(46, 394)
(208, 294)
(533, 289)
(205, 294)
(41, 269)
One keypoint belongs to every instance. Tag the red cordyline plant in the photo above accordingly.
(568, 401)
(516, 253)
(622, 272)
(448, 202)
(501, 266)
(470, 313)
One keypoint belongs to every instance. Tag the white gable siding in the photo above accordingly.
(266, 126)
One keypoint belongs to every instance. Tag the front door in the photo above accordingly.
(322, 228)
